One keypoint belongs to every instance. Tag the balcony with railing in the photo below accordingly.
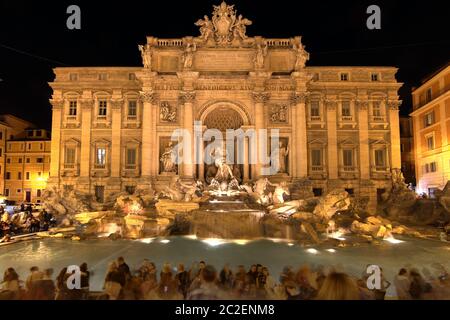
(348, 172)
(378, 121)
(130, 171)
(378, 172)
(70, 170)
(347, 120)
(317, 172)
(316, 120)
(99, 170)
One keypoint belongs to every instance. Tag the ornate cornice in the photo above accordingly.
(261, 97)
(394, 104)
(187, 96)
(147, 96)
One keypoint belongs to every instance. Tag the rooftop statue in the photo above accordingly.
(224, 26)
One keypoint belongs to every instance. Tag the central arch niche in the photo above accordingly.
(223, 118)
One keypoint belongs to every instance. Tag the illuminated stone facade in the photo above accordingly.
(27, 165)
(111, 126)
(431, 123)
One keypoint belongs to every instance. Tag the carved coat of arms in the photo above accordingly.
(224, 27)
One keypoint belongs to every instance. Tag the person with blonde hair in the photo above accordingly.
(338, 286)
(113, 286)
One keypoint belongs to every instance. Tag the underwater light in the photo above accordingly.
(392, 240)
(165, 241)
(147, 240)
(331, 250)
(214, 242)
(312, 251)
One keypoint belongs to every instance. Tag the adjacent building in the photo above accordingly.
(112, 127)
(431, 123)
(27, 165)
(10, 127)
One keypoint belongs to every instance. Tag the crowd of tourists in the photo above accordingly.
(24, 221)
(203, 282)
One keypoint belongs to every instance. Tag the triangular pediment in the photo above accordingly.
(318, 141)
(347, 142)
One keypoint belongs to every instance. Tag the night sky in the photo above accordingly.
(415, 37)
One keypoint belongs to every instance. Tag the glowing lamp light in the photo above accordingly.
(213, 242)
(241, 242)
(147, 240)
(312, 251)
(392, 240)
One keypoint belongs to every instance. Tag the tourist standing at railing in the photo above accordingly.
(226, 278)
(113, 282)
(402, 284)
(338, 286)
(183, 280)
(208, 289)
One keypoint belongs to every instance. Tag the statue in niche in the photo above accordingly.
(240, 28)
(167, 159)
(206, 28)
(261, 52)
(188, 56)
(167, 112)
(283, 152)
(301, 56)
(146, 54)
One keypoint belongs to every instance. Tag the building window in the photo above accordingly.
(317, 192)
(131, 158)
(73, 108)
(69, 156)
(374, 77)
(402, 147)
(380, 158)
(102, 76)
(19, 175)
(30, 133)
(73, 77)
(315, 110)
(132, 108)
(347, 155)
(102, 108)
(38, 133)
(1, 152)
(433, 167)
(130, 189)
(20, 160)
(350, 191)
(131, 76)
(40, 160)
(28, 160)
(8, 160)
(376, 109)
(100, 193)
(7, 192)
(100, 159)
(38, 193)
(429, 119)
(344, 76)
(27, 176)
(1, 135)
(29, 146)
(41, 146)
(429, 95)
(430, 142)
(316, 159)
(346, 110)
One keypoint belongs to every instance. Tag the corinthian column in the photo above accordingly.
(116, 108)
(260, 98)
(188, 166)
(301, 156)
(363, 123)
(148, 121)
(394, 123)
(333, 158)
(86, 120)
